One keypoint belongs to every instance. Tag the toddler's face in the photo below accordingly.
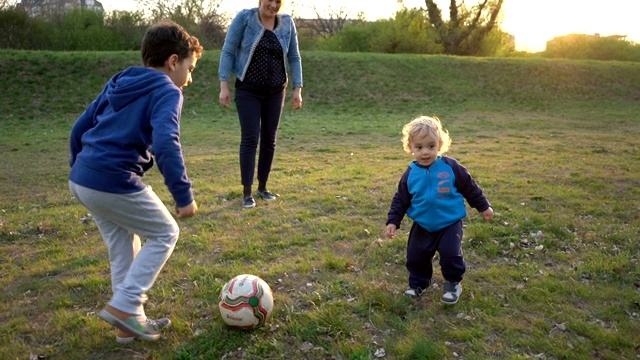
(425, 147)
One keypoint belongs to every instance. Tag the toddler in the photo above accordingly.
(432, 192)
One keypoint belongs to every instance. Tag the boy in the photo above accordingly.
(432, 192)
(133, 122)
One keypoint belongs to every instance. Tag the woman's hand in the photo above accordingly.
(225, 94)
(296, 101)
(225, 98)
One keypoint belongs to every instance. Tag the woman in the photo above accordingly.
(260, 46)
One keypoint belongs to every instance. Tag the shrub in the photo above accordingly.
(595, 47)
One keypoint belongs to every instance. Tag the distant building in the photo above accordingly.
(43, 7)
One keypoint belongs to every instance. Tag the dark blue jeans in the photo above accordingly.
(422, 247)
(259, 111)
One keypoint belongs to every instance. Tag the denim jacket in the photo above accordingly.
(243, 37)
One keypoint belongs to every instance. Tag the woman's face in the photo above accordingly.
(269, 8)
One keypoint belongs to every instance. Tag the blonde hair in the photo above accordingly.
(425, 125)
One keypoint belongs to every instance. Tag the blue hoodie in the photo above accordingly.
(433, 196)
(135, 119)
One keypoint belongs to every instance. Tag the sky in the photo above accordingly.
(532, 22)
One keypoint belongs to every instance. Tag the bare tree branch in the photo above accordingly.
(327, 26)
(7, 4)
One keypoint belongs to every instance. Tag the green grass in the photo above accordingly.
(553, 143)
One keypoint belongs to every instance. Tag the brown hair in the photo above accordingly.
(165, 39)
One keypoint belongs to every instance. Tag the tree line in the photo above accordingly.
(79, 29)
(466, 31)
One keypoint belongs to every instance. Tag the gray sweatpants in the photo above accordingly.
(122, 220)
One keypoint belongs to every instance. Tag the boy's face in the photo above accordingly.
(425, 148)
(181, 74)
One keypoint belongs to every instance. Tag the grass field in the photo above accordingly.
(556, 275)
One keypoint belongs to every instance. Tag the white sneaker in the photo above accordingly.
(123, 337)
(452, 293)
(413, 293)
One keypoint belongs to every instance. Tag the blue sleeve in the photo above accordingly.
(166, 148)
(230, 47)
(293, 57)
(84, 123)
(467, 186)
(401, 201)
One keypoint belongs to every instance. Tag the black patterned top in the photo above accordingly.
(267, 64)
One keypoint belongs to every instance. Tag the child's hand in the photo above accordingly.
(487, 214)
(390, 231)
(187, 211)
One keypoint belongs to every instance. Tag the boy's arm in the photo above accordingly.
(85, 122)
(166, 148)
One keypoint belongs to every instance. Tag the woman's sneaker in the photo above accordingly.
(248, 202)
(123, 337)
(452, 292)
(413, 293)
(266, 194)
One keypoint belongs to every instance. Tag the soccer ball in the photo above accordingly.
(246, 302)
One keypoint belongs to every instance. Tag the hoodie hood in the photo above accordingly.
(133, 83)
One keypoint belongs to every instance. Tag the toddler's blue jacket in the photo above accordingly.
(433, 196)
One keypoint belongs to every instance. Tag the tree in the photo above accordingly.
(596, 47)
(465, 31)
(332, 23)
(202, 18)
(128, 26)
(407, 32)
(7, 4)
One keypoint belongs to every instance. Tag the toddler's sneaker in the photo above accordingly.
(452, 292)
(413, 293)
(142, 330)
(123, 337)
(266, 194)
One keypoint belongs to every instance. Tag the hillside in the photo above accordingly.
(345, 83)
